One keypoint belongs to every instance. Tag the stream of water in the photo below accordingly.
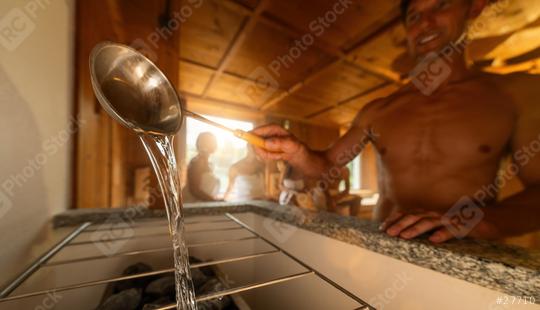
(161, 153)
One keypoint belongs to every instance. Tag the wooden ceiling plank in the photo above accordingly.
(336, 52)
(225, 73)
(375, 92)
(243, 32)
(348, 58)
(296, 87)
(238, 7)
(394, 21)
(239, 106)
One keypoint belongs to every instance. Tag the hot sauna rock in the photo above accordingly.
(158, 291)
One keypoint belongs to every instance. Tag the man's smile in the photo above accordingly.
(428, 38)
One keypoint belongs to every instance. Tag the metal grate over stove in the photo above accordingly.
(52, 259)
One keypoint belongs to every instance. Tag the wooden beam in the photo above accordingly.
(376, 92)
(244, 30)
(225, 104)
(325, 47)
(346, 57)
(225, 73)
(237, 7)
(342, 57)
(296, 87)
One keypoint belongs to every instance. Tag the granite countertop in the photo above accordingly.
(511, 270)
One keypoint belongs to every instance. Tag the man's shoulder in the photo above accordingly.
(514, 83)
(522, 88)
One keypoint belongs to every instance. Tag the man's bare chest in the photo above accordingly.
(421, 129)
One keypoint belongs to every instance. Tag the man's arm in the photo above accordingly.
(282, 145)
(520, 213)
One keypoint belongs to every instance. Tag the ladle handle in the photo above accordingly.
(250, 138)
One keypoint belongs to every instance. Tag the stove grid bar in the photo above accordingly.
(161, 234)
(42, 262)
(149, 251)
(320, 275)
(135, 276)
(245, 288)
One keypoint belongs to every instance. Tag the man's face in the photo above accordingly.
(433, 24)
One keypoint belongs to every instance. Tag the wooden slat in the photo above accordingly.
(351, 56)
(93, 139)
(339, 84)
(379, 53)
(336, 116)
(194, 77)
(351, 24)
(298, 105)
(231, 88)
(358, 102)
(208, 32)
(208, 106)
(296, 87)
(243, 32)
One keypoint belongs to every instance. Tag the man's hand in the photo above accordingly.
(280, 144)
(412, 225)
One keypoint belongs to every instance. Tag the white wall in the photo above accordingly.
(36, 77)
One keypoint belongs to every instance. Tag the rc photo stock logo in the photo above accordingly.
(430, 73)
(461, 219)
(112, 235)
(19, 23)
(5, 204)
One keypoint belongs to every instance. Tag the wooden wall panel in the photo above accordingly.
(106, 153)
(93, 140)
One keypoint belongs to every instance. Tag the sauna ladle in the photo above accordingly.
(134, 91)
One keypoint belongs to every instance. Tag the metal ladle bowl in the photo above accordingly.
(134, 91)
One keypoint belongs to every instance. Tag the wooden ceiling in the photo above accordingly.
(226, 44)
(228, 48)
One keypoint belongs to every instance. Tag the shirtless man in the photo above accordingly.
(435, 150)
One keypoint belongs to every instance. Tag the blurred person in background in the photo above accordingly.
(246, 178)
(202, 184)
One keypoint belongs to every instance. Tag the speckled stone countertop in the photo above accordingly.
(511, 270)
